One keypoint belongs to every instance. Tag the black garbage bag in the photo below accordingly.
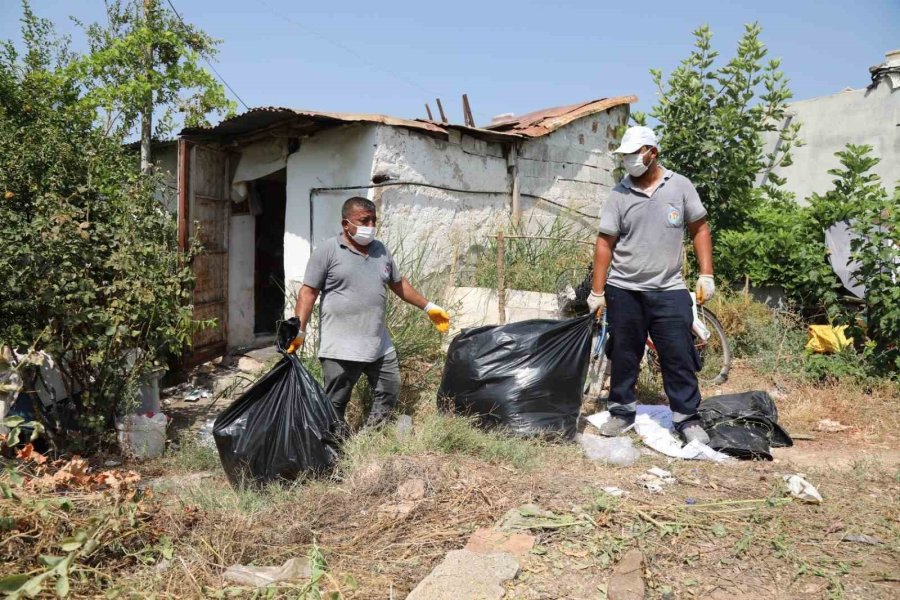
(743, 425)
(283, 427)
(526, 376)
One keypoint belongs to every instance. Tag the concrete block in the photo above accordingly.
(627, 581)
(467, 575)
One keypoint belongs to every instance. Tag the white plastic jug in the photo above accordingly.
(143, 436)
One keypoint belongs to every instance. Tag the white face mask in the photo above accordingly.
(364, 235)
(634, 164)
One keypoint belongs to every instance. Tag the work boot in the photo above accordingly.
(694, 431)
(616, 425)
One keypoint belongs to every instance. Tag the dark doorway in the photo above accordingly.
(269, 294)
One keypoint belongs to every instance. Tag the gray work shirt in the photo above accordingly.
(353, 298)
(650, 232)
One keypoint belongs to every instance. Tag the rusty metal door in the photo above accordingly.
(204, 213)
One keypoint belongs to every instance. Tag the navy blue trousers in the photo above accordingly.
(667, 317)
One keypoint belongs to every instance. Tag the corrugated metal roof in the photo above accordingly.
(546, 121)
(305, 122)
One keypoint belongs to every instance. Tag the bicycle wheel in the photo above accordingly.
(715, 353)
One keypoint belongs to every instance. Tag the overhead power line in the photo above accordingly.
(346, 48)
(208, 63)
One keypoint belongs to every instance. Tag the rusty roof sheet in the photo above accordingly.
(546, 121)
(305, 122)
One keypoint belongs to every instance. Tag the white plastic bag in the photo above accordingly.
(619, 451)
(143, 436)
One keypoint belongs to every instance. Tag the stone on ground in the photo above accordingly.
(466, 575)
(627, 581)
(489, 541)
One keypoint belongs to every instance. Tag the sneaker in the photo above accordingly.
(616, 425)
(694, 432)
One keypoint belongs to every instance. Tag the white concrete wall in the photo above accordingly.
(241, 281)
(333, 158)
(572, 165)
(866, 116)
(432, 221)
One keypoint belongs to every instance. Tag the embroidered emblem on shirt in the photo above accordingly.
(673, 216)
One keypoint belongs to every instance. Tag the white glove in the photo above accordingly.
(596, 302)
(705, 288)
(438, 316)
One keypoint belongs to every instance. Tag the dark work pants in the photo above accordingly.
(384, 378)
(667, 317)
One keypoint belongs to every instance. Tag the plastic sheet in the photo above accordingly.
(525, 376)
(743, 425)
(284, 426)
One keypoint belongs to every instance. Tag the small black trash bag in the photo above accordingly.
(284, 426)
(743, 425)
(526, 376)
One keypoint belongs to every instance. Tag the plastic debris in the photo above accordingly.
(143, 436)
(655, 479)
(196, 394)
(404, 425)
(825, 339)
(801, 489)
(619, 451)
(650, 426)
(205, 434)
(294, 570)
(612, 490)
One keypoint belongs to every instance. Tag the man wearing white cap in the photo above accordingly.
(637, 278)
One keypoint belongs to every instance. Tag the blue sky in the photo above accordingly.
(391, 57)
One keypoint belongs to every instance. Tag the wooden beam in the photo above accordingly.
(467, 111)
(184, 165)
(441, 109)
(428, 110)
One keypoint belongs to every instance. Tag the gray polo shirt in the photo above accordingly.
(353, 298)
(650, 232)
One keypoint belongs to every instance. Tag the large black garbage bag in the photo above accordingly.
(526, 376)
(283, 427)
(743, 425)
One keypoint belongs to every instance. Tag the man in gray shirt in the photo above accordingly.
(640, 246)
(353, 271)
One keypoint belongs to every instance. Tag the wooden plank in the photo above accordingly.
(183, 192)
(467, 111)
(441, 109)
(428, 110)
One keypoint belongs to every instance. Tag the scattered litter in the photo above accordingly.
(619, 451)
(205, 434)
(112, 463)
(612, 490)
(655, 479)
(801, 489)
(690, 501)
(863, 539)
(294, 570)
(825, 339)
(653, 425)
(196, 394)
(829, 426)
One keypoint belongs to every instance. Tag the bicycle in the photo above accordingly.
(709, 337)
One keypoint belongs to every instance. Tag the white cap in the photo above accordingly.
(635, 138)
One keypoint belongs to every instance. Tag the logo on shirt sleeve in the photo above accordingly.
(673, 216)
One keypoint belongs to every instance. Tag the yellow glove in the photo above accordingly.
(438, 316)
(297, 343)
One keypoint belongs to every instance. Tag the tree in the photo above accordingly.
(92, 272)
(145, 60)
(712, 119)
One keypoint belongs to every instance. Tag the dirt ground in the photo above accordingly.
(719, 531)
